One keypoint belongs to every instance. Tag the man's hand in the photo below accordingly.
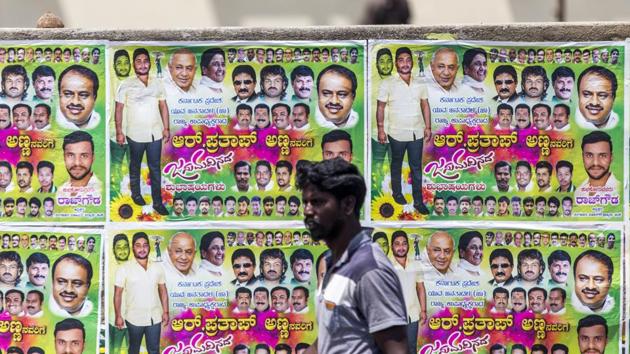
(166, 134)
(382, 137)
(120, 323)
(120, 138)
(427, 134)
(423, 318)
(164, 319)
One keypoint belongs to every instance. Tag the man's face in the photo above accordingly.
(76, 97)
(283, 176)
(261, 116)
(14, 86)
(384, 65)
(242, 177)
(280, 300)
(444, 67)
(564, 177)
(263, 175)
(451, 206)
(299, 117)
(400, 247)
(279, 54)
(560, 117)
(553, 209)
(438, 206)
(44, 86)
(69, 341)
(502, 176)
(440, 251)
(293, 208)
(280, 207)
(178, 206)
(477, 207)
(121, 250)
(217, 207)
(261, 300)
(523, 176)
(503, 207)
(592, 340)
(216, 68)
(301, 269)
(335, 96)
(478, 68)
(182, 252)
(243, 269)
(244, 86)
(464, 207)
(505, 118)
(273, 85)
(78, 158)
(560, 271)
(5, 177)
(591, 282)
(500, 302)
(404, 64)
(540, 56)
(21, 118)
(40, 117)
(204, 208)
(5, 118)
(243, 300)
(563, 87)
(142, 65)
(518, 302)
(505, 85)
(33, 304)
(474, 252)
(260, 55)
(542, 177)
(298, 300)
(339, 148)
(537, 301)
(122, 65)
(597, 158)
(530, 268)
(541, 118)
(70, 285)
(191, 207)
(21, 208)
(230, 206)
(322, 212)
(596, 98)
(37, 273)
(280, 117)
(14, 303)
(501, 269)
(303, 86)
(268, 207)
(182, 69)
(242, 208)
(534, 86)
(23, 177)
(8, 209)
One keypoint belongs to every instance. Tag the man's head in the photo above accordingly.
(11, 268)
(337, 143)
(5, 116)
(560, 116)
(78, 154)
(15, 82)
(534, 82)
(380, 238)
(597, 89)
(72, 277)
(384, 62)
(543, 174)
(444, 65)
(284, 169)
(470, 247)
(243, 264)
(22, 116)
(592, 273)
(182, 66)
(41, 116)
(559, 262)
(557, 298)
(336, 90)
(597, 155)
(501, 263)
(498, 349)
(24, 174)
(563, 79)
(37, 265)
(400, 243)
(263, 173)
(440, 251)
(121, 247)
(273, 265)
(181, 250)
(301, 264)
(69, 336)
(244, 81)
(475, 64)
(77, 88)
(339, 190)
(523, 174)
(302, 81)
(43, 82)
(281, 115)
(34, 301)
(300, 115)
(537, 298)
(501, 297)
(502, 175)
(519, 299)
(404, 61)
(504, 115)
(273, 81)
(505, 81)
(299, 298)
(122, 63)
(592, 332)
(541, 116)
(242, 172)
(280, 299)
(213, 64)
(243, 299)
(530, 265)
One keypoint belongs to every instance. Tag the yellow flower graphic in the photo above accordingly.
(124, 209)
(385, 208)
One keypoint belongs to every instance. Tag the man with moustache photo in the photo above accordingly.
(15, 84)
(180, 265)
(243, 264)
(146, 297)
(43, 78)
(142, 101)
(244, 82)
(501, 264)
(534, 84)
(530, 266)
(518, 298)
(37, 265)
(336, 91)
(41, 117)
(505, 82)
(301, 265)
(77, 89)
(384, 63)
(592, 274)
(408, 126)
(559, 262)
(273, 84)
(592, 334)
(273, 267)
(302, 83)
(562, 80)
(180, 80)
(71, 280)
(597, 90)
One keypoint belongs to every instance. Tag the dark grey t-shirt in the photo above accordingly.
(360, 295)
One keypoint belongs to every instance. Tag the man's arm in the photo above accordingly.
(426, 115)
(422, 298)
(392, 340)
(312, 349)
(119, 321)
(166, 133)
(380, 121)
(163, 293)
(118, 115)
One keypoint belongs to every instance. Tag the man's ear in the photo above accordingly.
(347, 205)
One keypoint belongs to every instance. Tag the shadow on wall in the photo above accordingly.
(25, 13)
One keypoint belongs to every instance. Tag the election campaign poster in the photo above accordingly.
(508, 289)
(52, 123)
(50, 290)
(216, 130)
(496, 130)
(211, 291)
